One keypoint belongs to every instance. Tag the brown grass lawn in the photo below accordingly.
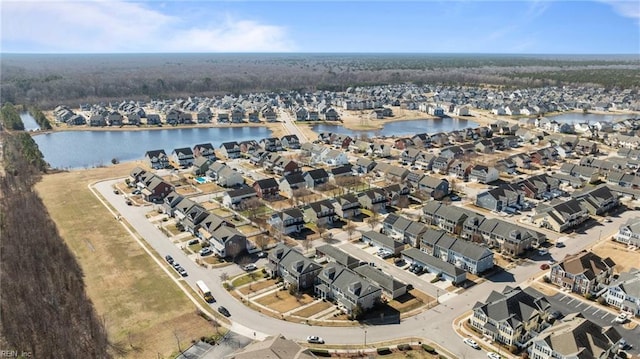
(210, 205)
(413, 299)
(543, 288)
(281, 301)
(246, 289)
(186, 190)
(209, 187)
(313, 309)
(141, 306)
(222, 212)
(624, 259)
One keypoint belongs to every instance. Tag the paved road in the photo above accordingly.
(290, 126)
(434, 324)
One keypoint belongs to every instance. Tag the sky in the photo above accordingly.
(470, 26)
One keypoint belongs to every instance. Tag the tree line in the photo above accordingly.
(45, 311)
(40, 118)
(51, 80)
(10, 118)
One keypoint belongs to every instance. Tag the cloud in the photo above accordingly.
(119, 26)
(625, 8)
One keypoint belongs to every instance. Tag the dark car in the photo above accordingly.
(454, 197)
(169, 259)
(222, 310)
(560, 244)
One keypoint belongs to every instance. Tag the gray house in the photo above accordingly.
(292, 267)
(382, 241)
(463, 254)
(347, 288)
(434, 265)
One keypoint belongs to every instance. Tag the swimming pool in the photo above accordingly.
(201, 180)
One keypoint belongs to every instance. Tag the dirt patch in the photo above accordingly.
(186, 190)
(141, 305)
(255, 287)
(209, 187)
(624, 259)
(412, 300)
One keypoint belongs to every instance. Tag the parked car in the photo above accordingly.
(182, 271)
(454, 197)
(543, 251)
(205, 251)
(262, 254)
(560, 244)
(470, 342)
(222, 310)
(169, 259)
(315, 339)
(193, 241)
(544, 266)
(250, 267)
(556, 314)
(136, 192)
(493, 355)
(621, 318)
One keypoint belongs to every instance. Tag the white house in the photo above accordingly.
(624, 292)
(629, 232)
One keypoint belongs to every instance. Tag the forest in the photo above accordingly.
(45, 312)
(46, 81)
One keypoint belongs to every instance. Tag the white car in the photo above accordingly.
(250, 267)
(472, 343)
(493, 355)
(314, 339)
(621, 318)
(205, 251)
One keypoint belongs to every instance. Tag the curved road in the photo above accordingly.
(435, 325)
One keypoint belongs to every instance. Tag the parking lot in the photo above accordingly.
(591, 310)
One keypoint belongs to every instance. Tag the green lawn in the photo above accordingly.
(247, 278)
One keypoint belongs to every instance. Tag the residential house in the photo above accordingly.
(347, 206)
(335, 158)
(598, 201)
(291, 183)
(483, 174)
(624, 292)
(321, 213)
(438, 267)
(334, 254)
(629, 232)
(316, 177)
(228, 242)
(183, 156)
(576, 337)
(364, 165)
(249, 147)
(348, 289)
(277, 346)
(583, 272)
(373, 199)
(391, 287)
(446, 217)
(292, 267)
(560, 216)
(170, 202)
(224, 175)
(271, 144)
(441, 164)
(510, 238)
(501, 197)
(157, 159)
(395, 225)
(437, 188)
(284, 166)
(460, 169)
(382, 241)
(235, 197)
(194, 215)
(266, 188)
(287, 221)
(290, 142)
(510, 317)
(154, 189)
(201, 166)
(465, 255)
(230, 149)
(204, 150)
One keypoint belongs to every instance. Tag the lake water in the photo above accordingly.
(576, 117)
(85, 149)
(403, 128)
(29, 122)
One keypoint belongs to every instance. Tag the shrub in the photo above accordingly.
(513, 349)
(435, 279)
(546, 279)
(383, 351)
(321, 352)
(429, 349)
(602, 301)
(404, 347)
(589, 296)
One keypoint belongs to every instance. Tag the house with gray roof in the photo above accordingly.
(227, 241)
(335, 254)
(391, 288)
(273, 347)
(374, 199)
(394, 225)
(510, 317)
(501, 197)
(597, 201)
(287, 221)
(234, 198)
(446, 217)
(170, 202)
(437, 188)
(347, 206)
(316, 177)
(347, 288)
(380, 240)
(576, 337)
(624, 292)
(560, 215)
(230, 149)
(321, 212)
(435, 265)
(629, 232)
(509, 237)
(465, 255)
(157, 159)
(292, 267)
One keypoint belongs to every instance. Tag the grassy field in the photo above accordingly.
(313, 309)
(411, 300)
(281, 301)
(247, 278)
(142, 308)
(624, 259)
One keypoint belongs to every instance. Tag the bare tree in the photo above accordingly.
(374, 219)
(350, 228)
(252, 205)
(307, 243)
(262, 241)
